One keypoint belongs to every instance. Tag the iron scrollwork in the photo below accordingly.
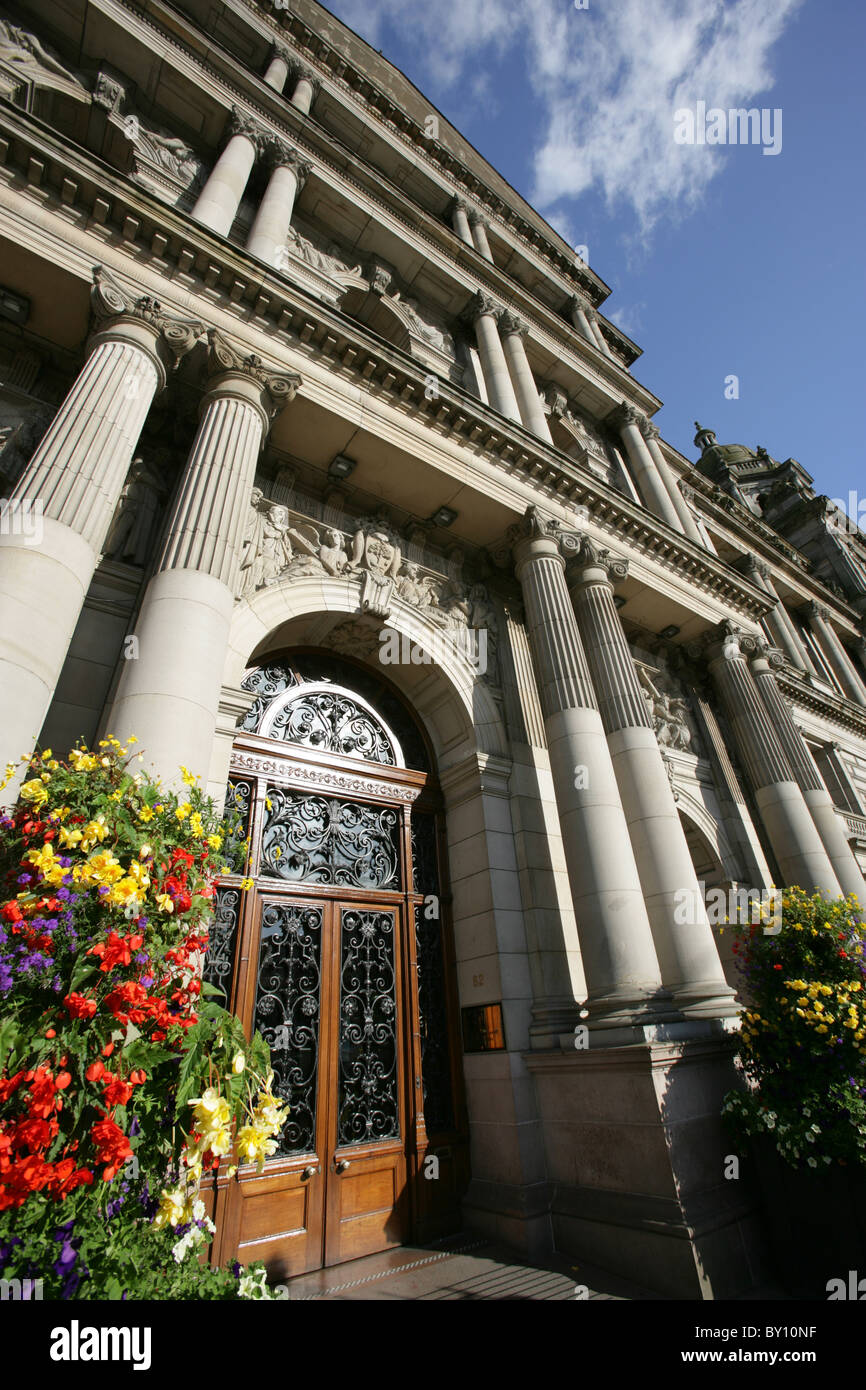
(332, 722)
(265, 682)
(287, 1014)
(239, 796)
(368, 1101)
(222, 940)
(317, 839)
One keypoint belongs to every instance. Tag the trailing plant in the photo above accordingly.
(123, 1082)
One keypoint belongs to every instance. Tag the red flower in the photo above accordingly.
(777, 967)
(116, 1092)
(112, 1147)
(79, 1007)
(62, 1080)
(11, 912)
(116, 951)
(95, 1071)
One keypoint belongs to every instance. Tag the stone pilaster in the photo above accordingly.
(831, 644)
(798, 848)
(76, 477)
(169, 696)
(270, 228)
(627, 421)
(763, 661)
(619, 957)
(483, 313)
(217, 205)
(688, 524)
(513, 334)
(689, 961)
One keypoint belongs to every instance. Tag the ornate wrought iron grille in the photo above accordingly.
(264, 683)
(332, 722)
(222, 940)
(317, 839)
(239, 798)
(432, 1005)
(368, 1102)
(287, 1013)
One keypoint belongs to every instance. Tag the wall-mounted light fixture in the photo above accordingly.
(341, 467)
(444, 517)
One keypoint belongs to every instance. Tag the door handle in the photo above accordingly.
(309, 1172)
(341, 1166)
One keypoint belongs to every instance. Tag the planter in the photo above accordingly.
(815, 1220)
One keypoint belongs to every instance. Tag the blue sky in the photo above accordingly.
(721, 260)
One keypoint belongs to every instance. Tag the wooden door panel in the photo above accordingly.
(280, 1222)
(366, 1207)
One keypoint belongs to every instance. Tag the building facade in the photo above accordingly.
(328, 478)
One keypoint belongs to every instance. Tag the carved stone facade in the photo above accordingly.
(281, 393)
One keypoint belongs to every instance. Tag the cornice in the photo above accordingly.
(838, 711)
(321, 54)
(210, 268)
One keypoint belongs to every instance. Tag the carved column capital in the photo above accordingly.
(479, 304)
(625, 414)
(510, 323)
(816, 610)
(459, 204)
(754, 566)
(591, 314)
(224, 361)
(477, 218)
(588, 556)
(648, 429)
(240, 122)
(112, 304)
(534, 525)
(281, 155)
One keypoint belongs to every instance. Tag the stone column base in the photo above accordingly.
(636, 1158)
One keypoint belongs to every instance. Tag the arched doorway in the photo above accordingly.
(340, 955)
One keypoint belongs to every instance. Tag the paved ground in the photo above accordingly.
(462, 1267)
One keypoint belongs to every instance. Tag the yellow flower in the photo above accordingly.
(164, 902)
(183, 811)
(195, 824)
(83, 761)
(189, 778)
(171, 1208)
(215, 841)
(71, 837)
(238, 1063)
(145, 814)
(35, 792)
(246, 884)
(132, 739)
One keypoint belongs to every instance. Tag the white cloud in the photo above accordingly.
(605, 82)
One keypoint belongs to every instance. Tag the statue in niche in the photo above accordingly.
(417, 589)
(134, 526)
(267, 548)
(19, 440)
(331, 553)
(669, 714)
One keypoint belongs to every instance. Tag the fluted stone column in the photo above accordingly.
(528, 401)
(594, 328)
(580, 320)
(689, 496)
(619, 958)
(278, 68)
(270, 228)
(782, 630)
(217, 204)
(483, 313)
(627, 421)
(860, 649)
(833, 649)
(802, 858)
(305, 90)
(690, 965)
(169, 696)
(77, 475)
(688, 524)
(805, 769)
(460, 220)
(478, 228)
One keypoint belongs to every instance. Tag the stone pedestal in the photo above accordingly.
(637, 1157)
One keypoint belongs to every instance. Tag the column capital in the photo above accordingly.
(115, 311)
(593, 561)
(478, 305)
(510, 323)
(757, 648)
(226, 363)
(625, 414)
(816, 610)
(279, 154)
(240, 122)
(755, 566)
(279, 50)
(648, 429)
(591, 314)
(476, 217)
(459, 204)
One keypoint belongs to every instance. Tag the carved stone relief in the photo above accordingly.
(668, 709)
(22, 425)
(26, 62)
(133, 528)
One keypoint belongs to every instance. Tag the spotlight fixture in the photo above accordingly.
(668, 632)
(13, 307)
(444, 517)
(341, 467)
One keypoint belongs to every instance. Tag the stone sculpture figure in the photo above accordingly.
(132, 530)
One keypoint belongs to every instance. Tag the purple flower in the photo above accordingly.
(63, 894)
